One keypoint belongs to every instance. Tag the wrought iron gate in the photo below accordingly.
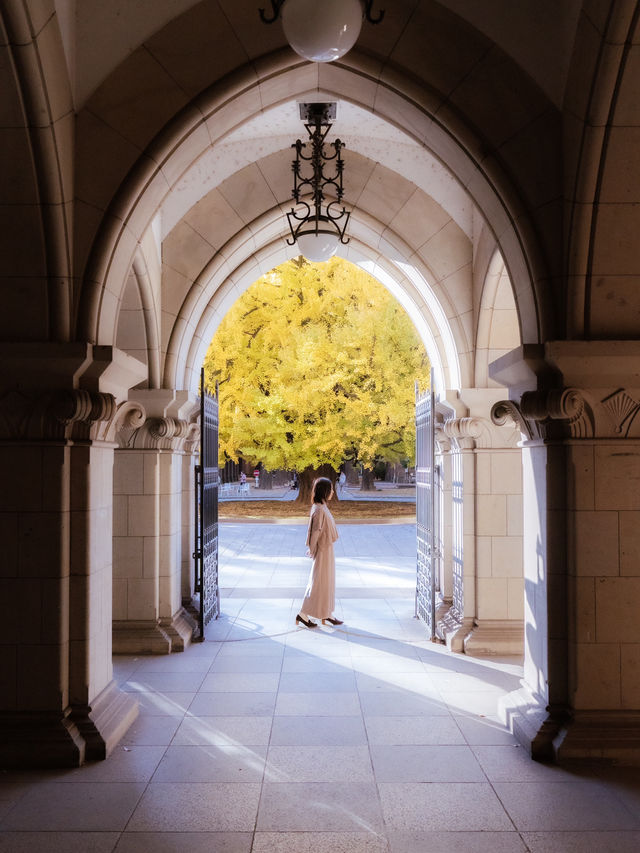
(425, 509)
(206, 511)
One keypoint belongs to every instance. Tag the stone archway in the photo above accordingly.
(191, 339)
(146, 189)
(124, 170)
(436, 284)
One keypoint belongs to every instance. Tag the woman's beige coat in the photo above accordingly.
(320, 596)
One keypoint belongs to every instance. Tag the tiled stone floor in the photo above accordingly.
(272, 739)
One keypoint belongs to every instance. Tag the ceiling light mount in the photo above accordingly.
(318, 226)
(276, 6)
(321, 31)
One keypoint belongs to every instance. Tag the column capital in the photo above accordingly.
(167, 402)
(471, 432)
(547, 414)
(463, 432)
(161, 433)
(610, 413)
(571, 389)
(62, 415)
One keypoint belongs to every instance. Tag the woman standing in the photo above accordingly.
(320, 596)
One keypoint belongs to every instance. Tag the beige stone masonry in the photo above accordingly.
(73, 711)
(485, 615)
(149, 491)
(456, 622)
(581, 560)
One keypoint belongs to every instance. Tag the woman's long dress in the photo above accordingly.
(320, 596)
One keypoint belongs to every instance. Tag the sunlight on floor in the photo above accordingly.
(272, 738)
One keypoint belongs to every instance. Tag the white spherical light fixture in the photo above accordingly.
(318, 247)
(322, 30)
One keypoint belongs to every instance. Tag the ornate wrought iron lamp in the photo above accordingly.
(321, 31)
(318, 227)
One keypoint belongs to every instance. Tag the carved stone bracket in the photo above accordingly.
(158, 433)
(555, 413)
(471, 432)
(128, 416)
(507, 412)
(463, 431)
(55, 415)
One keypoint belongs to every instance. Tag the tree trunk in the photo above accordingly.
(305, 483)
(266, 480)
(353, 478)
(368, 480)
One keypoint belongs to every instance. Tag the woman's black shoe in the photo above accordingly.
(308, 624)
(333, 621)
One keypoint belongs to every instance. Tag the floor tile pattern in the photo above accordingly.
(269, 738)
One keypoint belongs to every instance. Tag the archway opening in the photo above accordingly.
(420, 242)
(317, 367)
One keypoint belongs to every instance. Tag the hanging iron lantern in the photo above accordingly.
(318, 226)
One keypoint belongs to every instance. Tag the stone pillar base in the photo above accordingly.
(33, 740)
(90, 733)
(611, 736)
(154, 638)
(496, 637)
(140, 638)
(104, 722)
(533, 726)
(452, 629)
(180, 628)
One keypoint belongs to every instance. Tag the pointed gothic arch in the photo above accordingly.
(191, 133)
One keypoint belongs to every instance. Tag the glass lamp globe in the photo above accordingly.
(318, 247)
(322, 31)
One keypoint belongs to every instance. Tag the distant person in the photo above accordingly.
(320, 596)
(243, 478)
(342, 479)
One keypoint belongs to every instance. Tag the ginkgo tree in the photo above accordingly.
(316, 364)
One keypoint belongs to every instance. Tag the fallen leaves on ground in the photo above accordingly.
(340, 511)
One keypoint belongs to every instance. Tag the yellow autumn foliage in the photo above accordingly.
(316, 364)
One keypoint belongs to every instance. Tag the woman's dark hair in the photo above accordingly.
(321, 489)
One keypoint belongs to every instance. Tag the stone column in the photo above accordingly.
(58, 703)
(486, 613)
(148, 616)
(456, 623)
(580, 697)
(175, 538)
(602, 548)
(538, 710)
(149, 495)
(498, 625)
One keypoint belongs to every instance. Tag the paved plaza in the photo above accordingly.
(383, 491)
(362, 739)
